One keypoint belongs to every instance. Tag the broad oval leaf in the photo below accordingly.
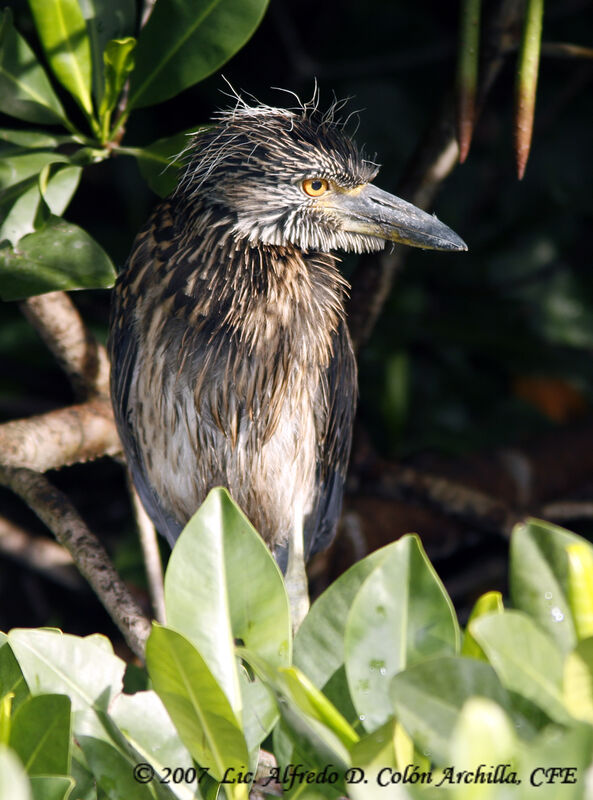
(183, 42)
(52, 787)
(401, 615)
(578, 681)
(59, 256)
(538, 577)
(12, 680)
(525, 658)
(222, 584)
(488, 603)
(428, 698)
(40, 734)
(62, 31)
(56, 662)
(113, 771)
(159, 162)
(196, 703)
(25, 91)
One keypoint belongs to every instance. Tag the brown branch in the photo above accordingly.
(60, 516)
(152, 557)
(59, 438)
(61, 327)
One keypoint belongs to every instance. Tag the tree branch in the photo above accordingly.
(60, 516)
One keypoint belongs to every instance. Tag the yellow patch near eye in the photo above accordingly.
(315, 187)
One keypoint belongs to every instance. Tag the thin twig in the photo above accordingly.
(152, 557)
(60, 516)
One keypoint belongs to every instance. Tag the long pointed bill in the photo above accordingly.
(372, 211)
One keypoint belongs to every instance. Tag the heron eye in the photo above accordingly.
(315, 187)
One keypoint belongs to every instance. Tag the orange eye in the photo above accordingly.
(315, 187)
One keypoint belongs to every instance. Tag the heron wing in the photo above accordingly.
(334, 420)
(123, 347)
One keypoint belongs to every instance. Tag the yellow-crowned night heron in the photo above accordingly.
(231, 359)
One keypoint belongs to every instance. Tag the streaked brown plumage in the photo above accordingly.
(232, 363)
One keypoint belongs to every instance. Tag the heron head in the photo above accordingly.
(279, 177)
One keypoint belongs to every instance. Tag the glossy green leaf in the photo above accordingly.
(40, 734)
(33, 140)
(12, 680)
(538, 576)
(160, 162)
(184, 42)
(59, 256)
(16, 165)
(526, 659)
(580, 587)
(14, 784)
(428, 698)
(197, 705)
(400, 615)
(312, 723)
(48, 193)
(106, 20)
(55, 662)
(578, 681)
(118, 63)
(25, 91)
(483, 738)
(489, 603)
(147, 726)
(568, 749)
(113, 772)
(63, 34)
(211, 599)
(52, 787)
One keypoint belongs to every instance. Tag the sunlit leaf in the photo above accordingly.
(578, 681)
(183, 42)
(13, 778)
(118, 63)
(400, 615)
(25, 91)
(488, 603)
(525, 658)
(197, 705)
(40, 734)
(63, 34)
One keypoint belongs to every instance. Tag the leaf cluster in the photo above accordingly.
(94, 55)
(379, 678)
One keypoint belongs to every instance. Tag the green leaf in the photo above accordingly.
(578, 681)
(428, 698)
(14, 784)
(113, 771)
(25, 91)
(209, 599)
(183, 42)
(55, 662)
(483, 735)
(33, 140)
(565, 749)
(526, 659)
(52, 787)
(160, 162)
(16, 165)
(118, 63)
(315, 727)
(40, 196)
(12, 680)
(106, 20)
(147, 726)
(539, 577)
(197, 705)
(580, 587)
(488, 603)
(63, 34)
(400, 615)
(40, 734)
(60, 256)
